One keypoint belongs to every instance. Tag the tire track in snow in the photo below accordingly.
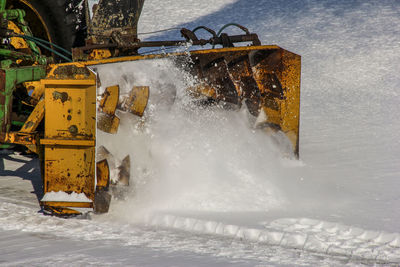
(328, 238)
(341, 243)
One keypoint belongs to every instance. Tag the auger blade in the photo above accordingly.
(136, 101)
(107, 121)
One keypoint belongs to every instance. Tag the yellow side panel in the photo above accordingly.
(70, 111)
(70, 133)
(69, 169)
(290, 108)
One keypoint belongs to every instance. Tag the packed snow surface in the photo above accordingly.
(208, 189)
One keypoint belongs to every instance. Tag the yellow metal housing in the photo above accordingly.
(266, 79)
(70, 133)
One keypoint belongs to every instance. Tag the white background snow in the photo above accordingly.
(209, 206)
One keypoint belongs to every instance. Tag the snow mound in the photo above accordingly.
(61, 196)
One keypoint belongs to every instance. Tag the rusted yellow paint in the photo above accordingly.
(27, 139)
(137, 100)
(70, 72)
(17, 42)
(18, 138)
(283, 110)
(34, 118)
(102, 174)
(109, 100)
(70, 109)
(72, 82)
(106, 120)
(97, 54)
(69, 169)
(68, 142)
(37, 89)
(70, 132)
(290, 108)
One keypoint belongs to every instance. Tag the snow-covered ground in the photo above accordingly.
(211, 192)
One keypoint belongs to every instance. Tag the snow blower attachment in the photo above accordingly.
(55, 110)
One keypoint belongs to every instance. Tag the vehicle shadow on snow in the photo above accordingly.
(29, 170)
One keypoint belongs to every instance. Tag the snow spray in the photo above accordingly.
(185, 156)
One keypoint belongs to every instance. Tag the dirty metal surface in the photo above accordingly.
(109, 100)
(34, 118)
(264, 79)
(70, 132)
(107, 121)
(102, 174)
(136, 101)
(111, 14)
(115, 21)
